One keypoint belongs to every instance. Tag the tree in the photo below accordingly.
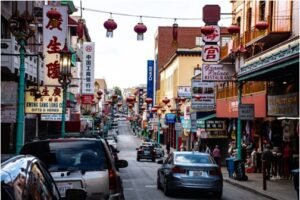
(118, 91)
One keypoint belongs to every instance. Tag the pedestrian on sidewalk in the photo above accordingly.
(217, 155)
(287, 158)
(207, 149)
(168, 147)
(267, 157)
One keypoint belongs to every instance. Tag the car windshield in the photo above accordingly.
(193, 159)
(69, 155)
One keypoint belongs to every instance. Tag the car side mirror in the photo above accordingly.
(160, 161)
(75, 194)
(121, 163)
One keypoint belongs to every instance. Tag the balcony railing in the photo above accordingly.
(248, 88)
(277, 25)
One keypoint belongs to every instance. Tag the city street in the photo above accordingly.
(139, 178)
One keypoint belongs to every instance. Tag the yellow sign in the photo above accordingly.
(49, 101)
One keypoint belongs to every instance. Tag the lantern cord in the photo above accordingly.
(146, 16)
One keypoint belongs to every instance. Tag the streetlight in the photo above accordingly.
(64, 79)
(21, 27)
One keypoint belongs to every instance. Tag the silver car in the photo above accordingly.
(188, 171)
(84, 163)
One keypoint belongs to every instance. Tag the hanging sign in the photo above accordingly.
(88, 68)
(203, 95)
(55, 20)
(215, 72)
(246, 111)
(214, 37)
(211, 53)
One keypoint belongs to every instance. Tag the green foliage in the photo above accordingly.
(117, 91)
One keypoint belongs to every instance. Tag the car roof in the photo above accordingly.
(190, 152)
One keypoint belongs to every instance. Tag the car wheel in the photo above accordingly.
(218, 194)
(167, 191)
(158, 183)
(138, 159)
(153, 159)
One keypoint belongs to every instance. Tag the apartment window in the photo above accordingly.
(262, 8)
(199, 42)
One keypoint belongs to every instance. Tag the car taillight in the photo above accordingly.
(179, 170)
(215, 172)
(112, 179)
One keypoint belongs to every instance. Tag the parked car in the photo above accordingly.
(25, 177)
(159, 150)
(80, 163)
(145, 152)
(189, 171)
(111, 141)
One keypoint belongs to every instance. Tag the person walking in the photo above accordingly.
(267, 157)
(168, 147)
(287, 157)
(207, 149)
(217, 155)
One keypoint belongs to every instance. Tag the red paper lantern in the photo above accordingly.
(166, 100)
(140, 29)
(99, 92)
(163, 110)
(114, 96)
(148, 100)
(173, 109)
(233, 29)
(119, 104)
(53, 14)
(110, 26)
(79, 29)
(182, 99)
(207, 30)
(177, 99)
(262, 25)
(154, 110)
(130, 105)
(130, 99)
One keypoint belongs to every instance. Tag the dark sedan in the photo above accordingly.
(145, 152)
(189, 171)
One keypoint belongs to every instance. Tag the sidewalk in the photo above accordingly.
(277, 189)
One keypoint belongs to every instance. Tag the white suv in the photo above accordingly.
(80, 163)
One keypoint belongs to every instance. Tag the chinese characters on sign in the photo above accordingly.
(211, 53)
(54, 35)
(49, 102)
(88, 68)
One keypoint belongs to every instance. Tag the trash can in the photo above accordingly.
(295, 173)
(230, 166)
(239, 169)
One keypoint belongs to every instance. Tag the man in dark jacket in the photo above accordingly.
(267, 156)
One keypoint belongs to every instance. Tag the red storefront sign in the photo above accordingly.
(228, 108)
(87, 99)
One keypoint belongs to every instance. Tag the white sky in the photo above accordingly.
(122, 60)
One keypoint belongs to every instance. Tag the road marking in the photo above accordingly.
(150, 186)
(128, 189)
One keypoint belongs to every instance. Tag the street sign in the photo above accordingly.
(178, 127)
(246, 111)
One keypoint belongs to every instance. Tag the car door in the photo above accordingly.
(165, 168)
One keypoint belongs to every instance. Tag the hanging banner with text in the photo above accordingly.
(88, 68)
(49, 102)
(54, 36)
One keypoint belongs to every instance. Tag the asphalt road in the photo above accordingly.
(139, 178)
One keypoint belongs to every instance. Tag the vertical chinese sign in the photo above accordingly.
(55, 19)
(88, 72)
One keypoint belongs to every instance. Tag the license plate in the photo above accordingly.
(197, 173)
(63, 187)
(147, 152)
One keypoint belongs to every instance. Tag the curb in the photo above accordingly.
(227, 180)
